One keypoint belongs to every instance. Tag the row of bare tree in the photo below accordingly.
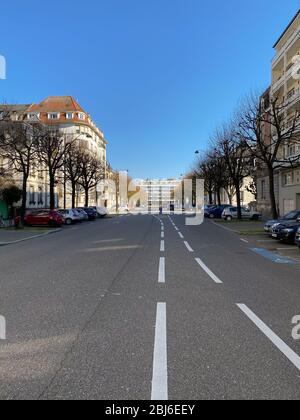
(26, 148)
(257, 137)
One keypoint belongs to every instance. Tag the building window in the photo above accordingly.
(53, 116)
(288, 179)
(81, 116)
(33, 116)
(40, 197)
(291, 151)
(31, 196)
(69, 115)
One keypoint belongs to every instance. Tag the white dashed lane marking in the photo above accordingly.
(188, 246)
(278, 342)
(162, 270)
(160, 361)
(208, 271)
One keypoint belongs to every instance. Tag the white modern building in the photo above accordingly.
(160, 194)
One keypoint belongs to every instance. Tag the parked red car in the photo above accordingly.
(44, 218)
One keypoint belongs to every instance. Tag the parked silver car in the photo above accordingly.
(82, 214)
(231, 213)
(70, 215)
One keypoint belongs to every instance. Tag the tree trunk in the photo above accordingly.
(86, 190)
(24, 198)
(219, 197)
(238, 200)
(272, 193)
(73, 195)
(229, 197)
(210, 194)
(52, 192)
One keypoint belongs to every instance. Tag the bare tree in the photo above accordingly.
(206, 170)
(18, 144)
(52, 150)
(267, 131)
(235, 154)
(73, 168)
(92, 172)
(221, 178)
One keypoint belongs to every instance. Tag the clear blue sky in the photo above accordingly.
(156, 75)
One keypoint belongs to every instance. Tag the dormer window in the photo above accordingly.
(33, 116)
(81, 116)
(69, 115)
(53, 115)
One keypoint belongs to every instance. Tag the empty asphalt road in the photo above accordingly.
(141, 307)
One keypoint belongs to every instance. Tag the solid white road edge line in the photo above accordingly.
(189, 248)
(208, 271)
(162, 270)
(160, 362)
(278, 342)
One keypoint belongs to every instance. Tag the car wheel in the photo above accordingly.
(255, 217)
(68, 222)
(211, 216)
(229, 218)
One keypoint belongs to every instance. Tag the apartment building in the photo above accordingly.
(286, 87)
(61, 113)
(160, 193)
(248, 199)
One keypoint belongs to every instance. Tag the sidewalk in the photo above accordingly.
(254, 235)
(243, 227)
(13, 236)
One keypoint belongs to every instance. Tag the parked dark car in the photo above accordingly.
(297, 238)
(289, 217)
(207, 210)
(92, 214)
(286, 232)
(216, 212)
(44, 218)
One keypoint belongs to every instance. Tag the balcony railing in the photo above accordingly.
(278, 83)
(287, 45)
(292, 96)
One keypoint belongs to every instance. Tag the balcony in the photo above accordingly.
(279, 82)
(292, 98)
(276, 60)
(288, 44)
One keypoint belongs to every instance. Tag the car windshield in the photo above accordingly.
(292, 215)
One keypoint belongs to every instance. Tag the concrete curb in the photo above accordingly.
(226, 228)
(30, 238)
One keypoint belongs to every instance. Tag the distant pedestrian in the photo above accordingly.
(1, 221)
